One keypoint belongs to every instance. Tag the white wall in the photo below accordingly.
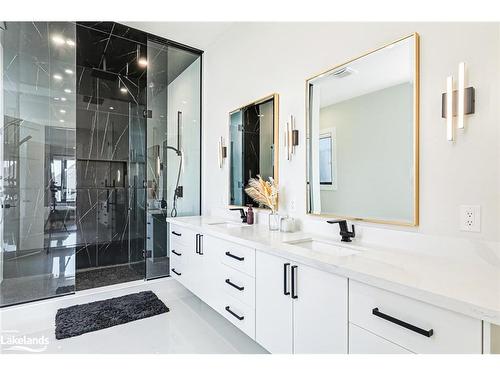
(278, 57)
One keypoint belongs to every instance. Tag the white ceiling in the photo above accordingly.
(384, 68)
(194, 34)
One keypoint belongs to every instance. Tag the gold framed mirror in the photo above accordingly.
(253, 147)
(362, 122)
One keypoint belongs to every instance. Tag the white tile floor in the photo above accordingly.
(190, 326)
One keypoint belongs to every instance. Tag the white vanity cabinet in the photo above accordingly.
(182, 244)
(413, 325)
(288, 307)
(233, 278)
(192, 263)
(362, 341)
(299, 309)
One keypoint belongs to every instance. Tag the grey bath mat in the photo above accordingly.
(79, 319)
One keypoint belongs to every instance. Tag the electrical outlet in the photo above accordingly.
(292, 205)
(470, 218)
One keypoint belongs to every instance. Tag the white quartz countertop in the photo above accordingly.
(471, 288)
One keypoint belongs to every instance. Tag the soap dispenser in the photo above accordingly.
(250, 216)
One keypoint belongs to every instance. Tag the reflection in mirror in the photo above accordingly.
(253, 149)
(362, 137)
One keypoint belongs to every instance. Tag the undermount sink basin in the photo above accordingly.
(229, 224)
(323, 247)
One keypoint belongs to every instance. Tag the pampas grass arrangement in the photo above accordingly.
(263, 192)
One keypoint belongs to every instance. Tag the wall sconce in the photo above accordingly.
(291, 138)
(221, 152)
(457, 103)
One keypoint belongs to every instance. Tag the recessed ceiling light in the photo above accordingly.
(68, 71)
(62, 110)
(56, 98)
(58, 40)
(184, 102)
(68, 91)
(61, 120)
(142, 62)
(111, 108)
(70, 42)
(57, 76)
(123, 90)
(63, 99)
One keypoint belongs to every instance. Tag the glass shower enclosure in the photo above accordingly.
(100, 141)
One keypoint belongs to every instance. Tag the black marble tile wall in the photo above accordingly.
(111, 145)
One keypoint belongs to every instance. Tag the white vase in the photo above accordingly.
(274, 221)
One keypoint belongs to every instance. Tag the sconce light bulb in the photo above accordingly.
(449, 108)
(461, 95)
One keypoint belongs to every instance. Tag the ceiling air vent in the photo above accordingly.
(342, 72)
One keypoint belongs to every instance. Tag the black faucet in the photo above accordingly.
(243, 215)
(344, 232)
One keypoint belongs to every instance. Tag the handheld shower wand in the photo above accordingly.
(173, 212)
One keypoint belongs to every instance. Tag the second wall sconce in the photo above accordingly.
(221, 152)
(291, 138)
(457, 103)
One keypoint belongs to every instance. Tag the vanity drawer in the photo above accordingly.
(176, 267)
(239, 257)
(177, 257)
(363, 342)
(414, 325)
(237, 284)
(182, 238)
(238, 313)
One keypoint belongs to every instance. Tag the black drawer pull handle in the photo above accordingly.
(294, 282)
(241, 259)
(234, 285)
(228, 309)
(176, 253)
(148, 238)
(409, 326)
(176, 234)
(177, 273)
(286, 266)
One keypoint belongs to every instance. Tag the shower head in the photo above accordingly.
(92, 100)
(104, 74)
(25, 139)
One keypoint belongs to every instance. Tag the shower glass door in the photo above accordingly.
(37, 160)
(173, 146)
(111, 155)
(100, 142)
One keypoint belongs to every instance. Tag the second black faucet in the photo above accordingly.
(243, 215)
(344, 232)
